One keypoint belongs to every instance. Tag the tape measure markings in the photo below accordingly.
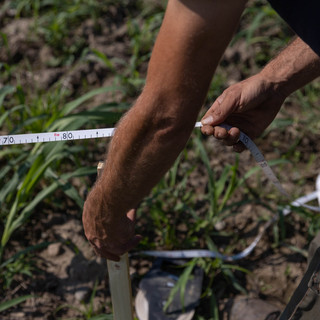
(56, 136)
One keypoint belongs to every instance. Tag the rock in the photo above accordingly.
(82, 293)
(17, 315)
(54, 249)
(220, 225)
(251, 309)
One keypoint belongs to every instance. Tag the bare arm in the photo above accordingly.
(193, 36)
(251, 105)
(293, 68)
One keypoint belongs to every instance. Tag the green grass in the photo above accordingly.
(32, 173)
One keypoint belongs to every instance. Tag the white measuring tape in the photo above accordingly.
(56, 136)
(177, 254)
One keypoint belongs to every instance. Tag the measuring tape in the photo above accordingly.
(196, 253)
(56, 136)
(177, 254)
(104, 133)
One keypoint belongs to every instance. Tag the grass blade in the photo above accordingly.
(11, 303)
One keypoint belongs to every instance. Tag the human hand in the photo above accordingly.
(249, 106)
(111, 235)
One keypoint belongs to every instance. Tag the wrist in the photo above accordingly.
(111, 197)
(293, 68)
(277, 82)
(100, 197)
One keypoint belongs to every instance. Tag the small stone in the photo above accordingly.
(251, 309)
(54, 249)
(17, 315)
(81, 294)
(220, 225)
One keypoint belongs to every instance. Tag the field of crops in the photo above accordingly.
(80, 64)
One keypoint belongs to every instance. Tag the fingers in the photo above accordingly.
(110, 238)
(220, 110)
(226, 104)
(227, 137)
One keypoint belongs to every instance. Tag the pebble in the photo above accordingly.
(54, 249)
(220, 225)
(251, 309)
(82, 294)
(17, 315)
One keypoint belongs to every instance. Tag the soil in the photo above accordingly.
(66, 271)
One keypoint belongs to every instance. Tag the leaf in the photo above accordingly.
(26, 212)
(231, 186)
(23, 252)
(222, 180)
(69, 107)
(104, 59)
(211, 179)
(5, 91)
(11, 303)
(230, 276)
(5, 115)
(27, 122)
(181, 285)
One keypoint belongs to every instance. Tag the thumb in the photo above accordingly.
(216, 113)
(214, 116)
(222, 108)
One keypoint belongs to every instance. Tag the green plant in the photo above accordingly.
(211, 268)
(19, 263)
(87, 311)
(32, 173)
(55, 21)
(23, 265)
(13, 302)
(220, 189)
(180, 286)
(169, 205)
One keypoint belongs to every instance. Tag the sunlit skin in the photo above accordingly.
(252, 104)
(191, 41)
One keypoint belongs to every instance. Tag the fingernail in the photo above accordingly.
(207, 120)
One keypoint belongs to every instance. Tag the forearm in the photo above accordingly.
(293, 68)
(152, 134)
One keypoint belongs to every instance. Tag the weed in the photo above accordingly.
(23, 265)
(13, 302)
